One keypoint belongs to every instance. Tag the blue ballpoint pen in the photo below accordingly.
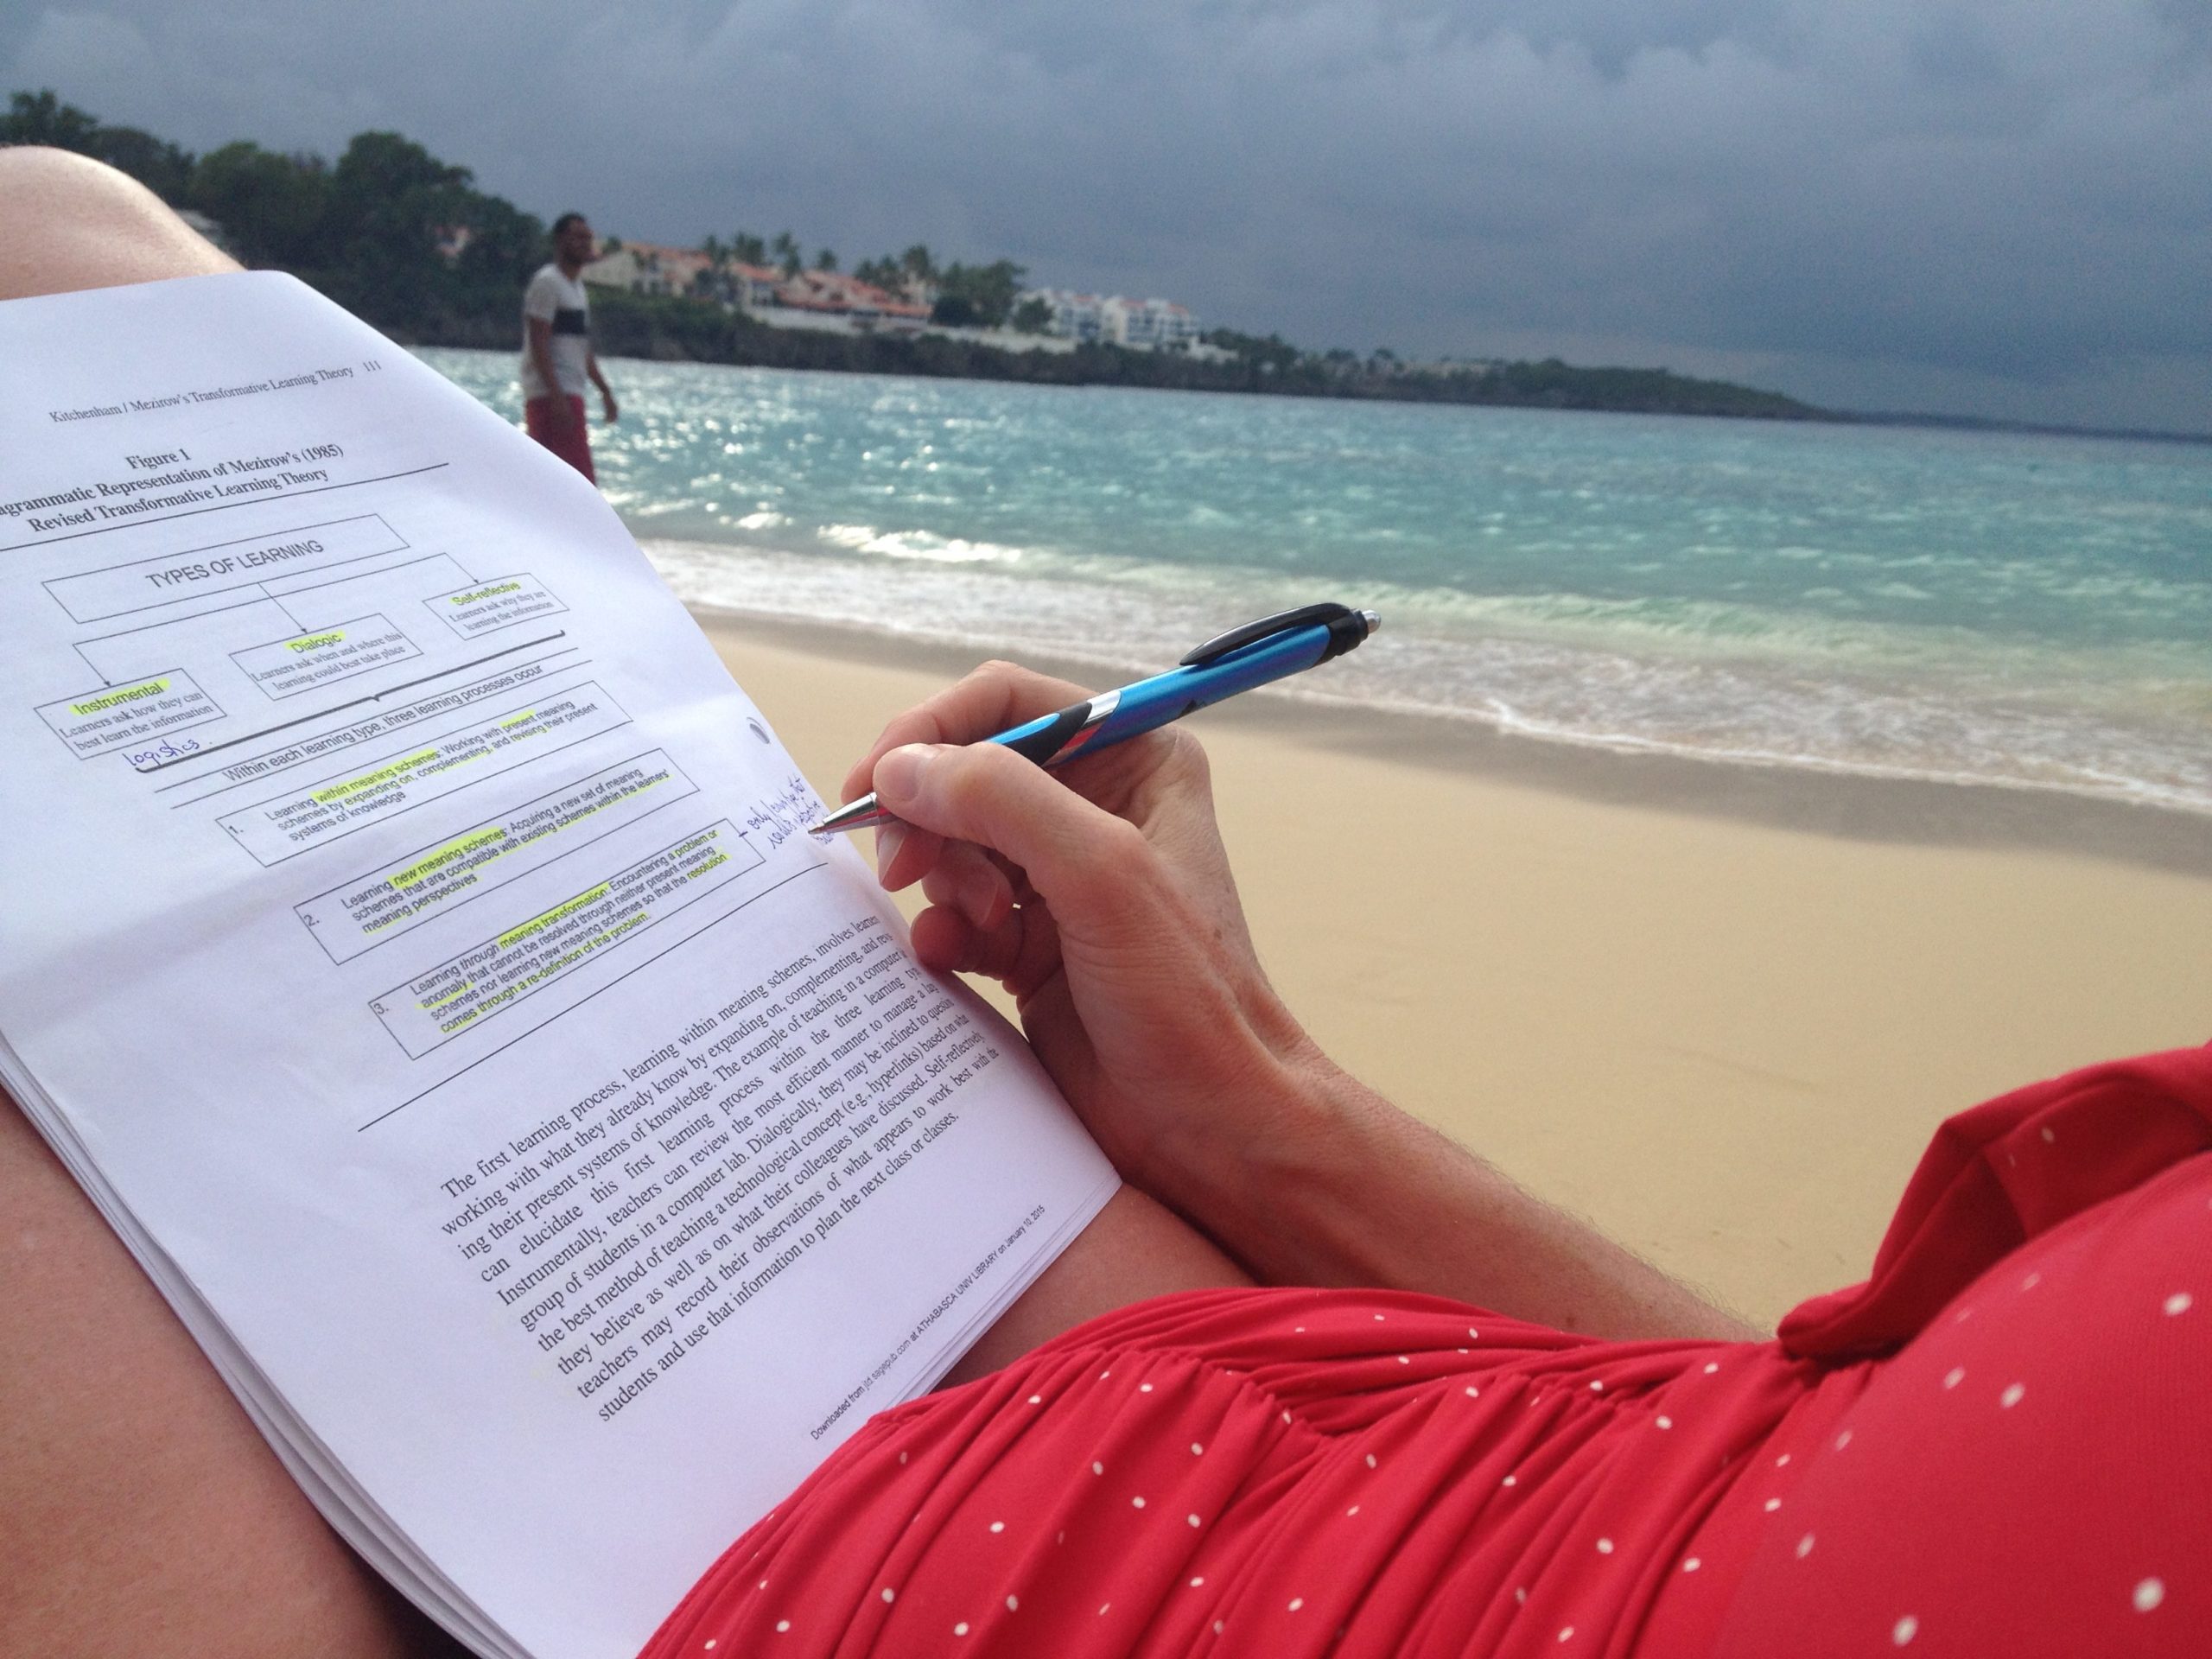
(1272, 648)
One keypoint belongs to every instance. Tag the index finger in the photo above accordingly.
(988, 701)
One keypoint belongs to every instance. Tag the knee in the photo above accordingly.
(79, 223)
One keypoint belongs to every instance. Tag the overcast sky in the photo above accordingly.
(1988, 207)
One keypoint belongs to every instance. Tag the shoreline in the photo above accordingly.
(1807, 799)
(492, 339)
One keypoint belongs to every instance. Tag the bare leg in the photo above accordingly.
(77, 224)
(140, 1511)
(1135, 1248)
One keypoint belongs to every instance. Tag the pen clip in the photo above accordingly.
(1305, 616)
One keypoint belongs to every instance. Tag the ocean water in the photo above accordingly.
(2016, 609)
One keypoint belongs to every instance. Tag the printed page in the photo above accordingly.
(413, 943)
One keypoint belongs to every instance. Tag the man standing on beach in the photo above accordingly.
(556, 354)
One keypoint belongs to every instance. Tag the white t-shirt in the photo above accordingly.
(555, 298)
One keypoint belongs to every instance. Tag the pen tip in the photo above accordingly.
(863, 814)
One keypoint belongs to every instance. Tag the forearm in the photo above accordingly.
(1128, 955)
(1350, 1191)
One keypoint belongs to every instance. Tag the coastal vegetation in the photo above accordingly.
(675, 330)
(407, 241)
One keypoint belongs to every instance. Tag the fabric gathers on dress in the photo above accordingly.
(2001, 1444)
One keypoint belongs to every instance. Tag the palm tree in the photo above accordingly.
(714, 282)
(786, 248)
(825, 260)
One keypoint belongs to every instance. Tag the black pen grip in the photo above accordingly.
(1047, 741)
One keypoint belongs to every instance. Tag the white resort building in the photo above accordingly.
(1144, 324)
(834, 302)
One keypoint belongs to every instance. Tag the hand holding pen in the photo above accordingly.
(1101, 901)
(1271, 649)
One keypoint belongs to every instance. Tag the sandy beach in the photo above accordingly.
(1717, 1010)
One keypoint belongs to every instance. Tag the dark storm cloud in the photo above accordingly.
(2001, 205)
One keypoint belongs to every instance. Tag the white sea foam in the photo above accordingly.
(918, 544)
(2001, 608)
(1765, 707)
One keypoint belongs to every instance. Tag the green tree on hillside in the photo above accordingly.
(371, 231)
(504, 246)
(977, 295)
(272, 206)
(390, 201)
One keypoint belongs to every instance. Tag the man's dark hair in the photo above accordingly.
(565, 221)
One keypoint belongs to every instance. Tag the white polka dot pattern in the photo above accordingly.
(1560, 1437)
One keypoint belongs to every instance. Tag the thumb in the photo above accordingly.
(1080, 858)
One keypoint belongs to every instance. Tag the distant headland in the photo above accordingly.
(407, 241)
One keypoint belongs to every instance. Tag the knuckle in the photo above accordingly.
(915, 726)
(1189, 753)
(1119, 854)
(1017, 691)
(994, 686)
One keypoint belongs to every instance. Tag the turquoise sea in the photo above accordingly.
(2007, 608)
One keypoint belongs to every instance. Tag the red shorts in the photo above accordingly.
(572, 443)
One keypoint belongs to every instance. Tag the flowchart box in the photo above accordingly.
(389, 719)
(485, 606)
(338, 804)
(222, 567)
(381, 903)
(458, 994)
(284, 668)
(141, 714)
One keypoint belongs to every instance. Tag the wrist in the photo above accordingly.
(1271, 1179)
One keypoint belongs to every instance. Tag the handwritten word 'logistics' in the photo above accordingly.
(146, 760)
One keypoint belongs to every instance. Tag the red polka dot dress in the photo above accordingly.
(2000, 1445)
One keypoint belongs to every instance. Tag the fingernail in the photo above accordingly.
(889, 837)
(899, 774)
